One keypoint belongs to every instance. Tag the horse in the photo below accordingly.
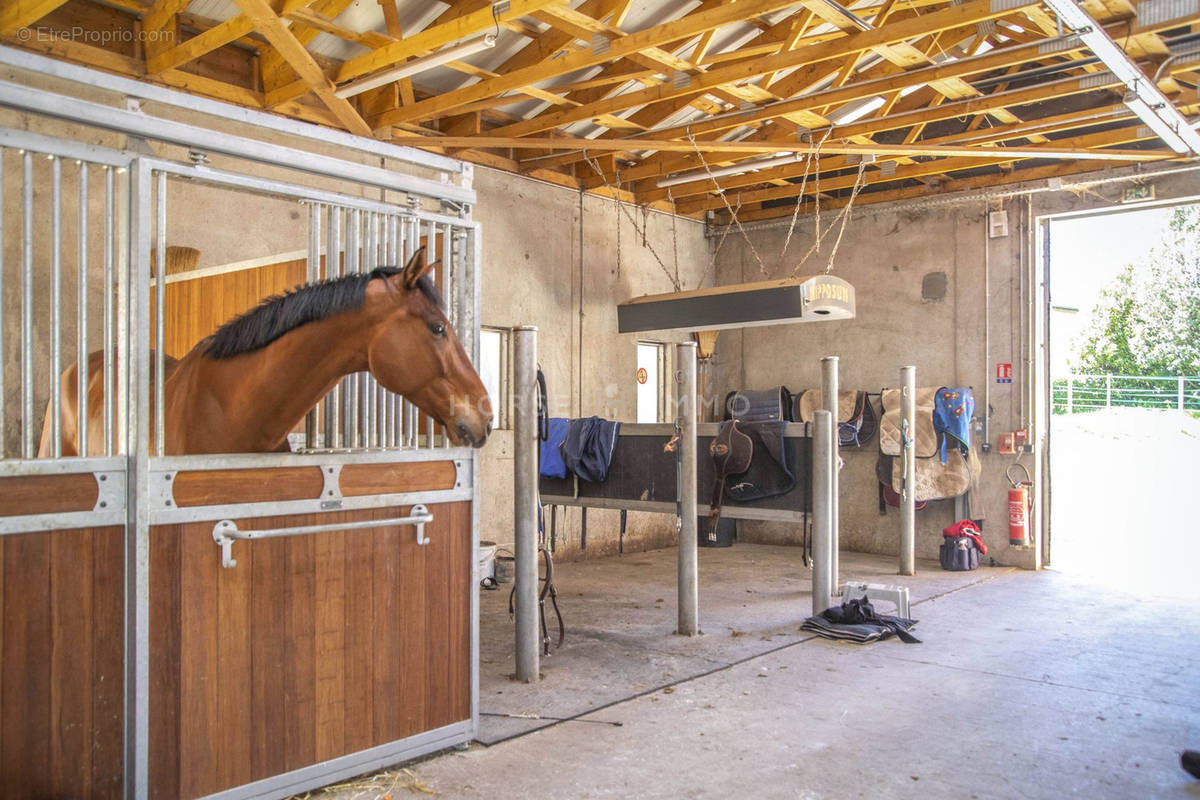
(245, 387)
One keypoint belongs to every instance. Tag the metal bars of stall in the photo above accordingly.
(39, 231)
(160, 302)
(359, 413)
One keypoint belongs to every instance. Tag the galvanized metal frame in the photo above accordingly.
(140, 125)
(85, 76)
(128, 322)
(375, 758)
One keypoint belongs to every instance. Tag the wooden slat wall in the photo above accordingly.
(61, 663)
(196, 308)
(311, 648)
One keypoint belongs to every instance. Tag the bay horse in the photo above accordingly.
(243, 389)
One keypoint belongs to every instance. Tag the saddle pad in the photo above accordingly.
(889, 426)
(762, 405)
(867, 425)
(938, 481)
(887, 495)
(810, 401)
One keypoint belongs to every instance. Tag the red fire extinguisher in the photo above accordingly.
(1020, 503)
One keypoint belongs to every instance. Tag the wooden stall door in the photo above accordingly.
(61, 663)
(313, 647)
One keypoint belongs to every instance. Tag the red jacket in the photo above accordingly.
(968, 529)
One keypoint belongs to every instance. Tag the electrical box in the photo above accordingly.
(1138, 194)
(1005, 445)
(997, 224)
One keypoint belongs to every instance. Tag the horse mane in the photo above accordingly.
(278, 314)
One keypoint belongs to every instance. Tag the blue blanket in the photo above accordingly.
(552, 464)
(588, 448)
(952, 410)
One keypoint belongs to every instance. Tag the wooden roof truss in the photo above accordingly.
(686, 107)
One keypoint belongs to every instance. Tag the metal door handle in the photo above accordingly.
(226, 531)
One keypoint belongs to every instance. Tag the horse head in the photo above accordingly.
(415, 352)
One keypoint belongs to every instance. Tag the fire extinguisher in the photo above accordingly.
(1020, 503)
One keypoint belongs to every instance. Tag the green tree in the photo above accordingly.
(1147, 321)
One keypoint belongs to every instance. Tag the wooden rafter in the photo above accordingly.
(17, 14)
(933, 88)
(281, 38)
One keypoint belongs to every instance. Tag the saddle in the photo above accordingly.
(731, 453)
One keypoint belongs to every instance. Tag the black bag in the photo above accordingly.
(958, 554)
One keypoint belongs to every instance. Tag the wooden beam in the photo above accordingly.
(690, 25)
(1108, 138)
(100, 58)
(954, 16)
(17, 14)
(458, 27)
(228, 31)
(559, 143)
(275, 70)
(271, 26)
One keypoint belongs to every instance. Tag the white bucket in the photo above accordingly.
(485, 566)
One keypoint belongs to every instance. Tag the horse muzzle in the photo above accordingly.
(474, 435)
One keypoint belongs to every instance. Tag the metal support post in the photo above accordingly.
(829, 395)
(525, 480)
(908, 507)
(822, 540)
(685, 425)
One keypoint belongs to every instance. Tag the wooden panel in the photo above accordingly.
(48, 494)
(313, 647)
(165, 612)
(195, 308)
(61, 664)
(409, 476)
(219, 487)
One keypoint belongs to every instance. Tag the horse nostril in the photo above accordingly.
(489, 427)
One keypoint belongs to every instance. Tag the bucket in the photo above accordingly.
(485, 566)
(506, 567)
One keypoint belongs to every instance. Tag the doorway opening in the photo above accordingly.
(1124, 367)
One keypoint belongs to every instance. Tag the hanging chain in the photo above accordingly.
(814, 155)
(841, 217)
(845, 215)
(712, 262)
(674, 235)
(762, 268)
(632, 221)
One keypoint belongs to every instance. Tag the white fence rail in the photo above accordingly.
(1078, 393)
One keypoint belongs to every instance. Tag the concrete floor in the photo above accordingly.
(1035, 685)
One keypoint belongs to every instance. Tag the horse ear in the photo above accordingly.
(415, 268)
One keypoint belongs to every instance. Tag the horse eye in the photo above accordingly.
(437, 329)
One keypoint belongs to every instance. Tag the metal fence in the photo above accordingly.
(1079, 393)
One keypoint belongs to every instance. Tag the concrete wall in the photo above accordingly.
(886, 253)
(552, 259)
